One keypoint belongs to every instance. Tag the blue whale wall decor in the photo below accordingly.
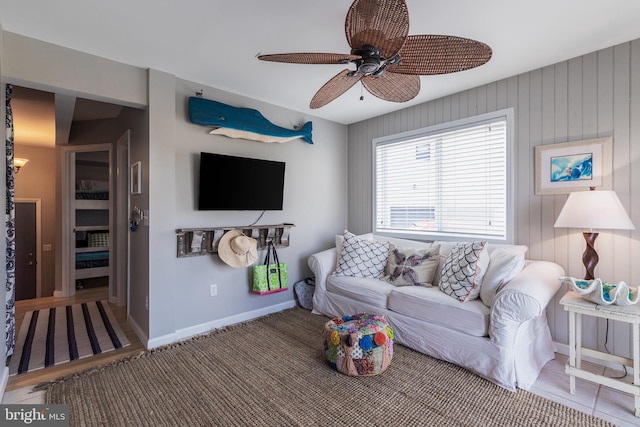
(244, 123)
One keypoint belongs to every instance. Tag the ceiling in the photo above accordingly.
(214, 42)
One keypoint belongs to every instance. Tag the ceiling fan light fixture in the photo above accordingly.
(380, 72)
(388, 60)
(394, 60)
(368, 65)
(370, 61)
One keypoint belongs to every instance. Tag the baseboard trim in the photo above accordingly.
(144, 339)
(203, 328)
(4, 379)
(564, 349)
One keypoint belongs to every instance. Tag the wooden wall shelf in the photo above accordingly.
(187, 247)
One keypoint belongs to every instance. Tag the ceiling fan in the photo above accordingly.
(388, 61)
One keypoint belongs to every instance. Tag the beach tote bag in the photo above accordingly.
(270, 277)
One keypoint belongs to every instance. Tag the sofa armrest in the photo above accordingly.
(522, 299)
(322, 264)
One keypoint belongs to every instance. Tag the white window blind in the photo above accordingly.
(444, 181)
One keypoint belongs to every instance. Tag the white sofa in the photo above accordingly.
(507, 343)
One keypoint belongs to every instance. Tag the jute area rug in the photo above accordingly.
(270, 372)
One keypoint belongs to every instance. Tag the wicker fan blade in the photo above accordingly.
(310, 58)
(334, 88)
(434, 54)
(393, 87)
(380, 23)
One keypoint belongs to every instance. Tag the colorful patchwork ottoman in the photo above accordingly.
(361, 344)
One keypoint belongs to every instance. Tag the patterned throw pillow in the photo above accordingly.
(463, 270)
(412, 267)
(362, 258)
(97, 239)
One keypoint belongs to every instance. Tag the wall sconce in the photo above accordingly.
(593, 209)
(18, 163)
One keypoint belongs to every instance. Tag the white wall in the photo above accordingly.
(137, 121)
(590, 96)
(178, 289)
(45, 66)
(315, 201)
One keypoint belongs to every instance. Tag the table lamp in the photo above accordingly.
(593, 209)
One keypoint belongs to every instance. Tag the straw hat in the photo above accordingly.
(237, 249)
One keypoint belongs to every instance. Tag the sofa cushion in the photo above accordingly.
(446, 246)
(366, 290)
(362, 258)
(401, 243)
(433, 306)
(412, 267)
(504, 265)
(463, 270)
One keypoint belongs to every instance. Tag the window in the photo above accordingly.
(449, 181)
(407, 217)
(423, 151)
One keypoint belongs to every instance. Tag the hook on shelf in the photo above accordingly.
(201, 241)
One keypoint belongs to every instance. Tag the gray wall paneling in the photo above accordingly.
(591, 96)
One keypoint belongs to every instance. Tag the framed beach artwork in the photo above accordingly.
(573, 166)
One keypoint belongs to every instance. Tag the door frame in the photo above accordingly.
(38, 203)
(122, 221)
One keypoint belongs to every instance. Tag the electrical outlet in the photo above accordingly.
(146, 302)
(46, 247)
(213, 290)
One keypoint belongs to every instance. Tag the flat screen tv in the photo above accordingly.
(229, 183)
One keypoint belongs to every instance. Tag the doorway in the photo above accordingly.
(79, 121)
(28, 244)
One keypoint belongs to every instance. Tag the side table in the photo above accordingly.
(577, 306)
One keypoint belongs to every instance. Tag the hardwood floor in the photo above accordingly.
(64, 369)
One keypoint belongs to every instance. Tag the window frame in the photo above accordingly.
(506, 114)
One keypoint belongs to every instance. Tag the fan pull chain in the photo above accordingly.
(361, 95)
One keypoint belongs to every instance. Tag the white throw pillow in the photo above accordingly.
(463, 270)
(412, 267)
(504, 265)
(340, 242)
(362, 258)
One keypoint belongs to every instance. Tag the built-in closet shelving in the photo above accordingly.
(92, 213)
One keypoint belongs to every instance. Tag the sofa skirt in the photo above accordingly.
(510, 368)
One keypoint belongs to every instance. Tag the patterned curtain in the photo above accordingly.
(11, 229)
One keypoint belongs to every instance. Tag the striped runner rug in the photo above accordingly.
(57, 335)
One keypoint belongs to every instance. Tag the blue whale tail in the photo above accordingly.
(306, 133)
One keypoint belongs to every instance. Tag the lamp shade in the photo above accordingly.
(19, 162)
(594, 209)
